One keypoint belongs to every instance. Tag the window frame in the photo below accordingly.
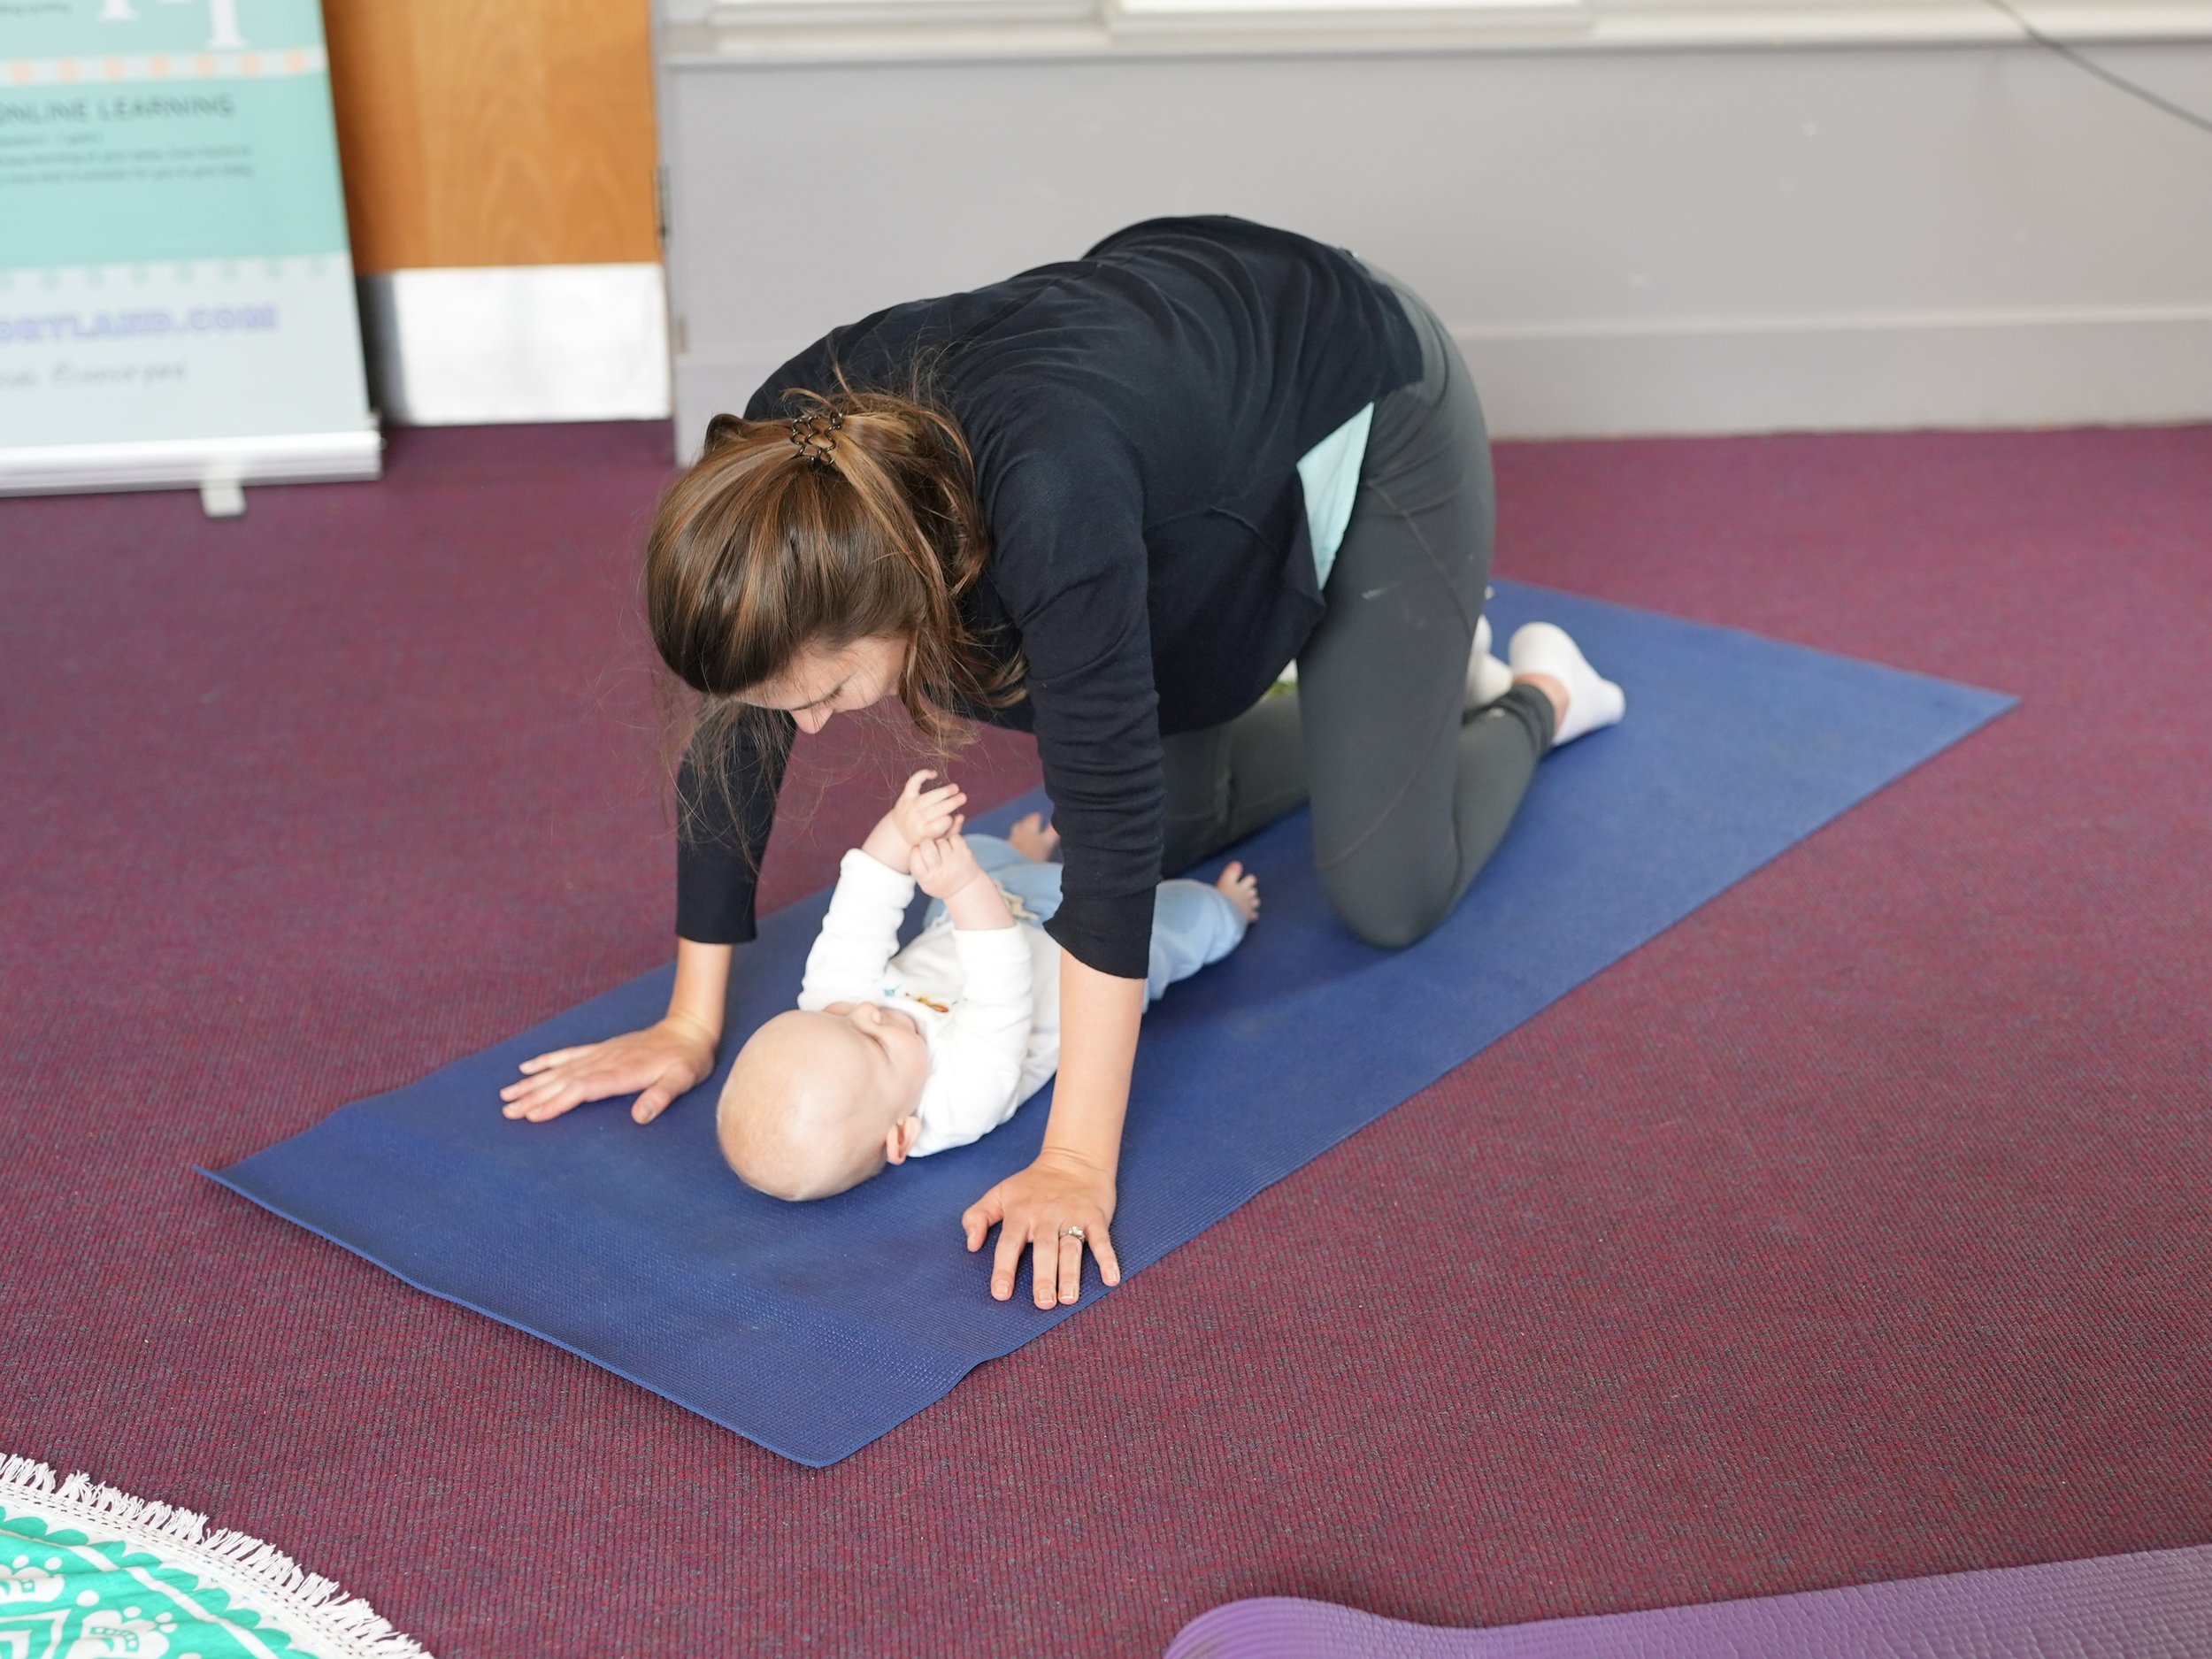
(705, 31)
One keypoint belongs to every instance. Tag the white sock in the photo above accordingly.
(1543, 647)
(1488, 678)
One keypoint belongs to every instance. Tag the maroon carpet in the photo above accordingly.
(1854, 1229)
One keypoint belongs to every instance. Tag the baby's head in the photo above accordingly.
(819, 1102)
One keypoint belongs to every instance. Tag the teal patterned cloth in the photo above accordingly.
(87, 1572)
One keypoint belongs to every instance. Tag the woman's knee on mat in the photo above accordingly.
(1387, 908)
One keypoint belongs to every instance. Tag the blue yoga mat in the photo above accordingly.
(813, 1329)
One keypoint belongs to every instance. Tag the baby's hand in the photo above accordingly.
(919, 815)
(926, 815)
(943, 867)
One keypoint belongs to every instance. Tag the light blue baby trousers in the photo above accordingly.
(1192, 924)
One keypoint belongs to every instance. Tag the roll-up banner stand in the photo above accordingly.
(176, 291)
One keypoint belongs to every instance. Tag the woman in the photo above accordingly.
(1107, 502)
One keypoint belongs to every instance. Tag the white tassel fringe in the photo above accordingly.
(258, 1574)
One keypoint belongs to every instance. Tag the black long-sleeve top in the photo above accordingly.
(1136, 419)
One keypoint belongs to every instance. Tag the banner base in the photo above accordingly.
(193, 463)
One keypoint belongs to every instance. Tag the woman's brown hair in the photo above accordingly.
(855, 518)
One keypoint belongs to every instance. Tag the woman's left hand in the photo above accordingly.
(1037, 1206)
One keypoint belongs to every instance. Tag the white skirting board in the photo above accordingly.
(497, 343)
(192, 463)
(2112, 366)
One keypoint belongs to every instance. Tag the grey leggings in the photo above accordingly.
(1410, 794)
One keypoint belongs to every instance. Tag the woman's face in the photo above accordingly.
(821, 683)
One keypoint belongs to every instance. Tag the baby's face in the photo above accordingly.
(894, 1054)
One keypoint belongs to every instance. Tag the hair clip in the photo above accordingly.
(811, 434)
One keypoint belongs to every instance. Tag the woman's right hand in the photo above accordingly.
(657, 1064)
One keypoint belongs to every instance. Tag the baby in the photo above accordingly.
(895, 1053)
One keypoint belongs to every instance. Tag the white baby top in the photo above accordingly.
(987, 1001)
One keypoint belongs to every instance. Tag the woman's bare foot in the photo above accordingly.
(1241, 890)
(1033, 839)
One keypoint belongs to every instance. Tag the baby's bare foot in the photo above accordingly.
(1033, 839)
(1241, 890)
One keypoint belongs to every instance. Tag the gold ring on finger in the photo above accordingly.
(1073, 1232)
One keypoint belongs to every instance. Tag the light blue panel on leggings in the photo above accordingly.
(1328, 475)
(813, 1329)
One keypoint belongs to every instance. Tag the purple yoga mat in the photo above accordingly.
(2152, 1606)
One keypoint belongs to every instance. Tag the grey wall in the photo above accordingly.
(1625, 242)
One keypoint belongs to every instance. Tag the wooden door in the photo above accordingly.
(494, 132)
